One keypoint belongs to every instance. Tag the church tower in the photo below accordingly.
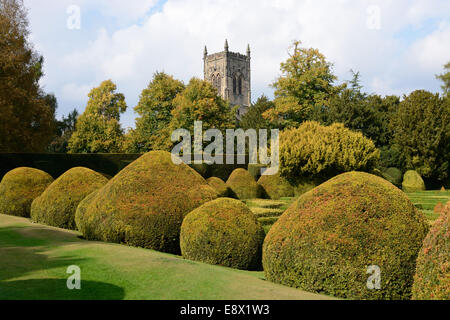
(229, 73)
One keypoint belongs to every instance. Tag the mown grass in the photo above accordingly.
(34, 260)
(427, 200)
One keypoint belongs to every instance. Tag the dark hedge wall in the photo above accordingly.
(110, 163)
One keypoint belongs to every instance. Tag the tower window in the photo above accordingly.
(240, 85)
(234, 85)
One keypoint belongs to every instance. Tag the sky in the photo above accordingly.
(397, 45)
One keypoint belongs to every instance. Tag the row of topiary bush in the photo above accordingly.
(322, 243)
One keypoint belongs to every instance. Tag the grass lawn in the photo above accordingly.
(427, 200)
(34, 259)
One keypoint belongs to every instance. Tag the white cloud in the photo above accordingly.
(172, 39)
(433, 51)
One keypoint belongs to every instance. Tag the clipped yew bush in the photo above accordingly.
(275, 186)
(255, 170)
(220, 186)
(224, 232)
(432, 278)
(394, 176)
(19, 187)
(56, 206)
(144, 204)
(243, 184)
(412, 182)
(330, 235)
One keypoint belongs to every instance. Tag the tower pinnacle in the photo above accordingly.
(226, 45)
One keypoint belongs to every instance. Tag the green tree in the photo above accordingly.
(98, 129)
(155, 112)
(305, 83)
(63, 133)
(26, 114)
(445, 78)
(200, 102)
(254, 119)
(421, 129)
(368, 114)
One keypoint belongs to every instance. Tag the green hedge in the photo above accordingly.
(57, 164)
(107, 163)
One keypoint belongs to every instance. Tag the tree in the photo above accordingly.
(305, 83)
(421, 129)
(254, 119)
(200, 102)
(27, 116)
(445, 78)
(63, 133)
(368, 114)
(98, 129)
(154, 109)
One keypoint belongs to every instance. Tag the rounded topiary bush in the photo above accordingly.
(432, 278)
(275, 186)
(412, 182)
(394, 176)
(220, 186)
(144, 204)
(255, 169)
(328, 238)
(56, 206)
(243, 184)
(18, 189)
(223, 232)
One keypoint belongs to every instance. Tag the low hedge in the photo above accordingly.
(144, 204)
(432, 278)
(18, 189)
(223, 232)
(327, 239)
(243, 184)
(56, 206)
(56, 164)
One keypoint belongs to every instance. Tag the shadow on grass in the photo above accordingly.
(30, 252)
(56, 289)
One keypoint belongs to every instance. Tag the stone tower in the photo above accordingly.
(229, 72)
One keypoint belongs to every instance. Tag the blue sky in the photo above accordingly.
(397, 45)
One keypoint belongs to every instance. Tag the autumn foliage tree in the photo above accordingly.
(26, 116)
(98, 129)
(306, 82)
